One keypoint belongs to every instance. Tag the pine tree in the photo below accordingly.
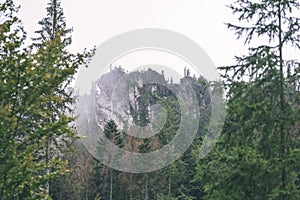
(53, 26)
(115, 136)
(145, 147)
(256, 157)
(59, 65)
(19, 177)
(34, 104)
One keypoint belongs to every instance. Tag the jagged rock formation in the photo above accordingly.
(143, 102)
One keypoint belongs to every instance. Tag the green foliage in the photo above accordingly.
(112, 133)
(53, 25)
(105, 174)
(172, 182)
(254, 158)
(34, 107)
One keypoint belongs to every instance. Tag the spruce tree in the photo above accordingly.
(19, 173)
(257, 155)
(57, 64)
(115, 136)
(34, 104)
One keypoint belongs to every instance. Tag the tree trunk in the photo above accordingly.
(146, 188)
(111, 184)
(282, 102)
(170, 187)
(47, 165)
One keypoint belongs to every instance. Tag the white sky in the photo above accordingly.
(95, 21)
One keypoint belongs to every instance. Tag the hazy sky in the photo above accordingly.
(94, 21)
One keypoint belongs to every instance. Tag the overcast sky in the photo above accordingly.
(95, 21)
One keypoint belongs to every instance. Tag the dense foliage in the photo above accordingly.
(256, 157)
(34, 103)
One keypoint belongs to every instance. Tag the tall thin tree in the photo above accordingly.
(52, 41)
(259, 147)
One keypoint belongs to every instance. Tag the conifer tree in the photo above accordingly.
(257, 155)
(19, 173)
(55, 61)
(34, 104)
(115, 136)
